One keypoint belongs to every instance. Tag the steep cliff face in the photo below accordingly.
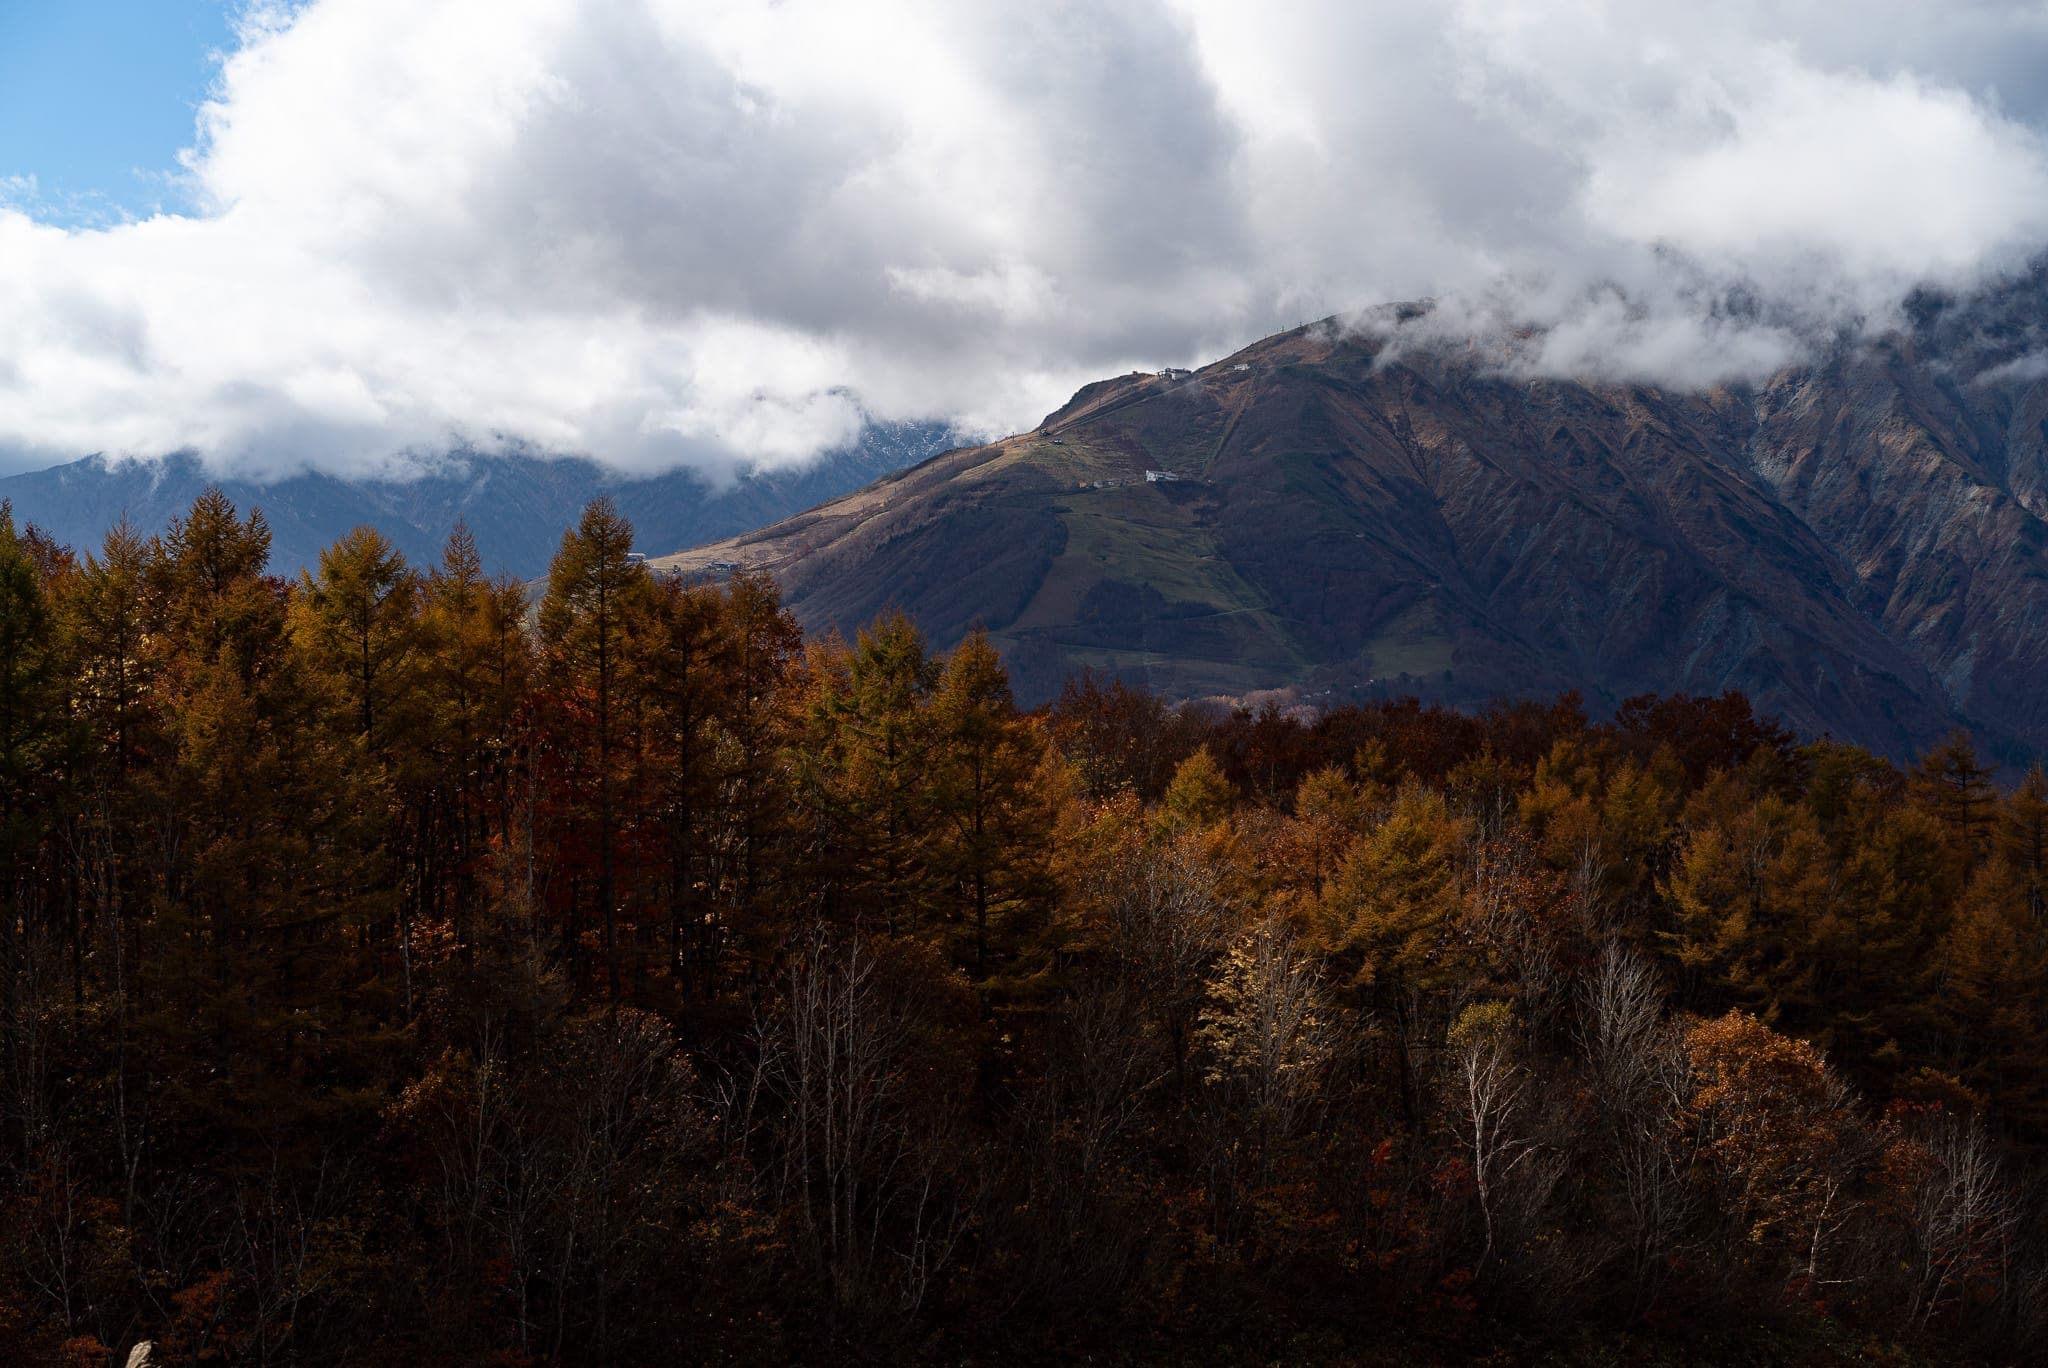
(1923, 483)
(1858, 543)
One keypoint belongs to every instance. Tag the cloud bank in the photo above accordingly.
(713, 232)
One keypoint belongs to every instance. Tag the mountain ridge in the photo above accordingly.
(1857, 542)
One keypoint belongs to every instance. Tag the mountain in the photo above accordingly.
(1857, 543)
(517, 505)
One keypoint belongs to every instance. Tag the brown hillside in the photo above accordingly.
(1857, 544)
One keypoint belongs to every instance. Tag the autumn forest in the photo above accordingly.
(401, 965)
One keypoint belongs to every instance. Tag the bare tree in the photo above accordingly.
(1637, 1068)
(1490, 1111)
(626, 1130)
(1167, 923)
(1961, 1218)
(287, 1245)
(568, 1173)
(1268, 1029)
(861, 1170)
(1102, 1063)
(1267, 1034)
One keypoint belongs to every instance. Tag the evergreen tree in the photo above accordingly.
(33, 743)
(686, 660)
(474, 681)
(31, 718)
(595, 591)
(211, 581)
(1991, 993)
(266, 850)
(1199, 796)
(754, 812)
(359, 621)
(993, 828)
(889, 752)
(1957, 786)
(2022, 837)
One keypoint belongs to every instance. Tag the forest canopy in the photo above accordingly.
(397, 969)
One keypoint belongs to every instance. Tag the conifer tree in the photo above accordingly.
(1956, 785)
(889, 747)
(991, 844)
(32, 742)
(1395, 902)
(1991, 993)
(1330, 812)
(211, 580)
(1391, 916)
(359, 620)
(825, 837)
(357, 625)
(109, 621)
(595, 591)
(109, 617)
(1755, 914)
(686, 662)
(1199, 796)
(267, 890)
(474, 680)
(754, 812)
(260, 1116)
(1898, 883)
(2022, 838)
(29, 707)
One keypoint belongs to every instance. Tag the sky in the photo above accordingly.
(97, 99)
(348, 234)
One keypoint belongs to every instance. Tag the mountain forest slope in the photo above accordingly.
(1858, 544)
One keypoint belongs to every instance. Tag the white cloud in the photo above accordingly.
(1884, 179)
(705, 231)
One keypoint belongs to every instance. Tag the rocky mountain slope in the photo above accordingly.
(516, 505)
(1858, 543)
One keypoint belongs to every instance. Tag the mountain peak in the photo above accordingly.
(1857, 543)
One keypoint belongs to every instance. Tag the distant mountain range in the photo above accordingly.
(1859, 543)
(517, 505)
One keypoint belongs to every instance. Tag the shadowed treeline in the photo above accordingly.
(393, 972)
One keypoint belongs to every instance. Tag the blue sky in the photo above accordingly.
(98, 96)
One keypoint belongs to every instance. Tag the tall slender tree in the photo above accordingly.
(992, 829)
(595, 591)
(32, 726)
(475, 677)
(889, 748)
(686, 664)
